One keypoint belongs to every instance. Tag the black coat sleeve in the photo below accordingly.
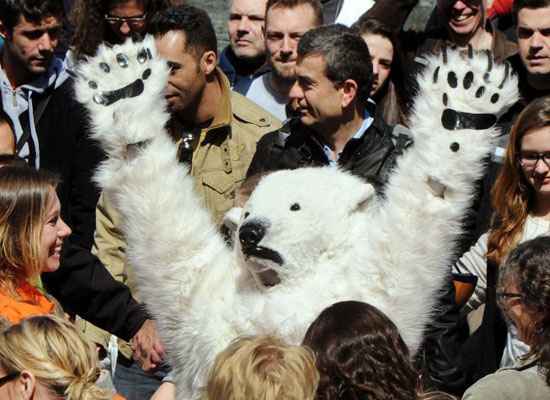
(439, 357)
(263, 160)
(82, 284)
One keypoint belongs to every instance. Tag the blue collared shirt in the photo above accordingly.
(368, 119)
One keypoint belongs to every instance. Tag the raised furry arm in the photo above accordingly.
(171, 237)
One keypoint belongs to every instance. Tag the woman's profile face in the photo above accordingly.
(22, 386)
(54, 232)
(381, 53)
(534, 159)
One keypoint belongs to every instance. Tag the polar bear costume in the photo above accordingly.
(306, 238)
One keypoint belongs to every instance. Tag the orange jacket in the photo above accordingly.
(31, 302)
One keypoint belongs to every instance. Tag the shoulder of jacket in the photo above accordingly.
(249, 112)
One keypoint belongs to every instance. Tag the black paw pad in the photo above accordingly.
(468, 80)
(456, 120)
(142, 56)
(452, 79)
(105, 67)
(454, 147)
(436, 75)
(122, 60)
(480, 91)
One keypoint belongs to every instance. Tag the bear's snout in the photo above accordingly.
(251, 233)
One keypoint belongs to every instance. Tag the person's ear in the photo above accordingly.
(209, 61)
(349, 92)
(26, 385)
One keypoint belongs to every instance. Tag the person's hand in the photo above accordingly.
(166, 391)
(148, 350)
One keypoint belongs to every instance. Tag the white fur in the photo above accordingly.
(344, 242)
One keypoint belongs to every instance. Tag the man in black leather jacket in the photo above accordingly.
(334, 122)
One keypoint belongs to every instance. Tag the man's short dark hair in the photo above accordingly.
(532, 4)
(32, 10)
(345, 53)
(314, 4)
(194, 22)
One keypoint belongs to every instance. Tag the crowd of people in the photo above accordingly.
(266, 102)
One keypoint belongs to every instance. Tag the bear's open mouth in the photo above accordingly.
(263, 253)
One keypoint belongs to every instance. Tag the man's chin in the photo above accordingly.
(246, 53)
(285, 72)
(540, 72)
(38, 68)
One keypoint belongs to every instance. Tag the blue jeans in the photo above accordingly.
(133, 383)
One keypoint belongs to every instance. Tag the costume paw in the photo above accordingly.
(122, 87)
(468, 90)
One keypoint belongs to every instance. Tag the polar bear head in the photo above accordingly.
(296, 221)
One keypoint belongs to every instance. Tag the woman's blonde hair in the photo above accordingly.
(263, 368)
(54, 352)
(24, 196)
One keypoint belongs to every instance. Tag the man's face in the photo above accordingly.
(284, 27)
(463, 17)
(318, 99)
(31, 45)
(186, 80)
(125, 18)
(534, 39)
(245, 26)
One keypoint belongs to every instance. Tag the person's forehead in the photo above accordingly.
(311, 66)
(47, 22)
(248, 7)
(538, 18)
(379, 44)
(130, 8)
(296, 19)
(172, 44)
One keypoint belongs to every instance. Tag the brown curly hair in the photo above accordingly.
(88, 18)
(512, 195)
(529, 266)
(360, 354)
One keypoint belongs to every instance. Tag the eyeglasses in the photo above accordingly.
(133, 22)
(529, 159)
(504, 297)
(8, 378)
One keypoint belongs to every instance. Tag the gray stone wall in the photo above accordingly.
(218, 10)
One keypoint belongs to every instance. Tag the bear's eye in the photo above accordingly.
(246, 214)
(295, 207)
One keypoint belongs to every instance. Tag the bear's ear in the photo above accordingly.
(362, 196)
(232, 218)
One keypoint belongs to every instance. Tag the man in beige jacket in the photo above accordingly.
(216, 131)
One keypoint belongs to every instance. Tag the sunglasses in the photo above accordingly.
(8, 378)
(133, 22)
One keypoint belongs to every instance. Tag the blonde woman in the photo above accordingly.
(44, 358)
(31, 238)
(265, 368)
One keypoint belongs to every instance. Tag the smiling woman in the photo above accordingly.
(521, 201)
(31, 239)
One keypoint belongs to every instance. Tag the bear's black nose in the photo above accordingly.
(250, 234)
